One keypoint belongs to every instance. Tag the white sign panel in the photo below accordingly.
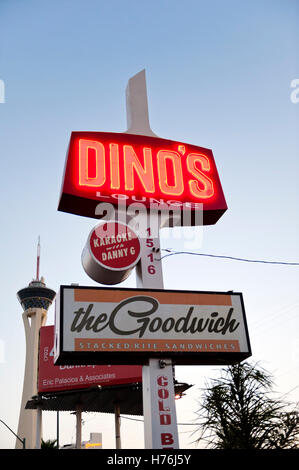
(97, 325)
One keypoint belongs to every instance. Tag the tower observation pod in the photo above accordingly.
(36, 295)
(35, 299)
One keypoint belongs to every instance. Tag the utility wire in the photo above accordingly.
(173, 252)
(142, 421)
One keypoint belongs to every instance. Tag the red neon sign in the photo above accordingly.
(127, 168)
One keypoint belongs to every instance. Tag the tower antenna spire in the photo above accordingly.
(38, 259)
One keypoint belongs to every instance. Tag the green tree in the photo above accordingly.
(237, 411)
(49, 444)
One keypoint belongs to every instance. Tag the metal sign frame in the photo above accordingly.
(202, 356)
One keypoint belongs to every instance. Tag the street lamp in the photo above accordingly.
(22, 440)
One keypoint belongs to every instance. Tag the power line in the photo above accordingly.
(142, 421)
(234, 258)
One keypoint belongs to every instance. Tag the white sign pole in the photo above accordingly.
(160, 424)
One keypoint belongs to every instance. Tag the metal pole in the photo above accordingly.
(21, 440)
(78, 428)
(117, 425)
(57, 424)
(38, 427)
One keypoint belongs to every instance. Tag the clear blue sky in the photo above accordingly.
(218, 76)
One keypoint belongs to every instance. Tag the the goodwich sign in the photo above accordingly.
(96, 325)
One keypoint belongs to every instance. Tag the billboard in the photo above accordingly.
(96, 325)
(53, 378)
(121, 168)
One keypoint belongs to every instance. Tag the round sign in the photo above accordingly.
(111, 252)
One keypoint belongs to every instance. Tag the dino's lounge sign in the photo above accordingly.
(97, 325)
(121, 168)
